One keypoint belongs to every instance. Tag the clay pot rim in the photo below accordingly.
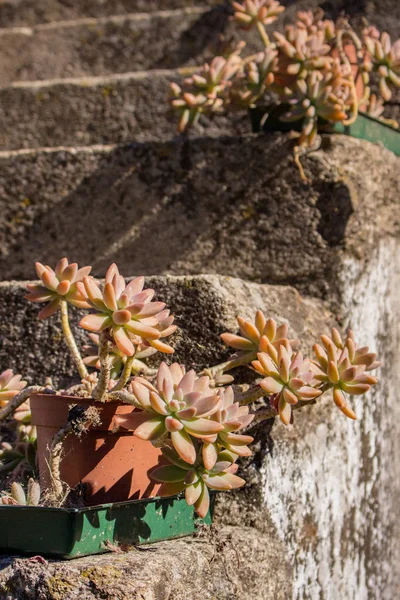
(82, 399)
(51, 410)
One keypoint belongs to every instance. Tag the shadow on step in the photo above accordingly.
(233, 206)
(203, 34)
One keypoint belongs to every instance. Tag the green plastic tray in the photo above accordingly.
(364, 127)
(73, 532)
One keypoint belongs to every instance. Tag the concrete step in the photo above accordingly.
(96, 110)
(90, 47)
(199, 206)
(33, 12)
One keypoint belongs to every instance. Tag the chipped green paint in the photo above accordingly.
(74, 532)
(363, 128)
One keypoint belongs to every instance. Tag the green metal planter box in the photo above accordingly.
(364, 127)
(73, 532)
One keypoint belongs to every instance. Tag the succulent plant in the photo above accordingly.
(254, 78)
(17, 495)
(320, 95)
(383, 57)
(320, 67)
(10, 386)
(178, 405)
(289, 379)
(252, 334)
(196, 480)
(299, 53)
(342, 367)
(19, 456)
(315, 24)
(194, 419)
(249, 13)
(204, 91)
(92, 359)
(57, 285)
(125, 310)
(233, 417)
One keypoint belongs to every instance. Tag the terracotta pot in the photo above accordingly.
(113, 465)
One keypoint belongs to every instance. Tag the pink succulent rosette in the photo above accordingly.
(127, 312)
(232, 417)
(253, 335)
(196, 480)
(57, 285)
(179, 405)
(10, 386)
(289, 379)
(342, 366)
(250, 12)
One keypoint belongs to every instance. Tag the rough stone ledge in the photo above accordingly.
(225, 566)
(90, 47)
(29, 12)
(228, 563)
(205, 306)
(96, 110)
(321, 500)
(229, 205)
(383, 13)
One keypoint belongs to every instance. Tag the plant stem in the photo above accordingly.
(100, 391)
(267, 412)
(125, 397)
(125, 375)
(239, 361)
(299, 165)
(19, 399)
(251, 395)
(264, 413)
(140, 368)
(263, 34)
(69, 338)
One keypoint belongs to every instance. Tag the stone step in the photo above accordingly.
(125, 108)
(90, 47)
(333, 481)
(231, 205)
(32, 12)
(95, 110)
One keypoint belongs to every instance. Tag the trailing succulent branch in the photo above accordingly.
(321, 72)
(18, 399)
(196, 419)
(70, 340)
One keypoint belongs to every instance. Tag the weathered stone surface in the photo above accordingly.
(125, 108)
(81, 109)
(319, 517)
(30, 12)
(89, 47)
(383, 13)
(231, 205)
(205, 306)
(232, 564)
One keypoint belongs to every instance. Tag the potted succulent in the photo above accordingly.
(131, 453)
(316, 76)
